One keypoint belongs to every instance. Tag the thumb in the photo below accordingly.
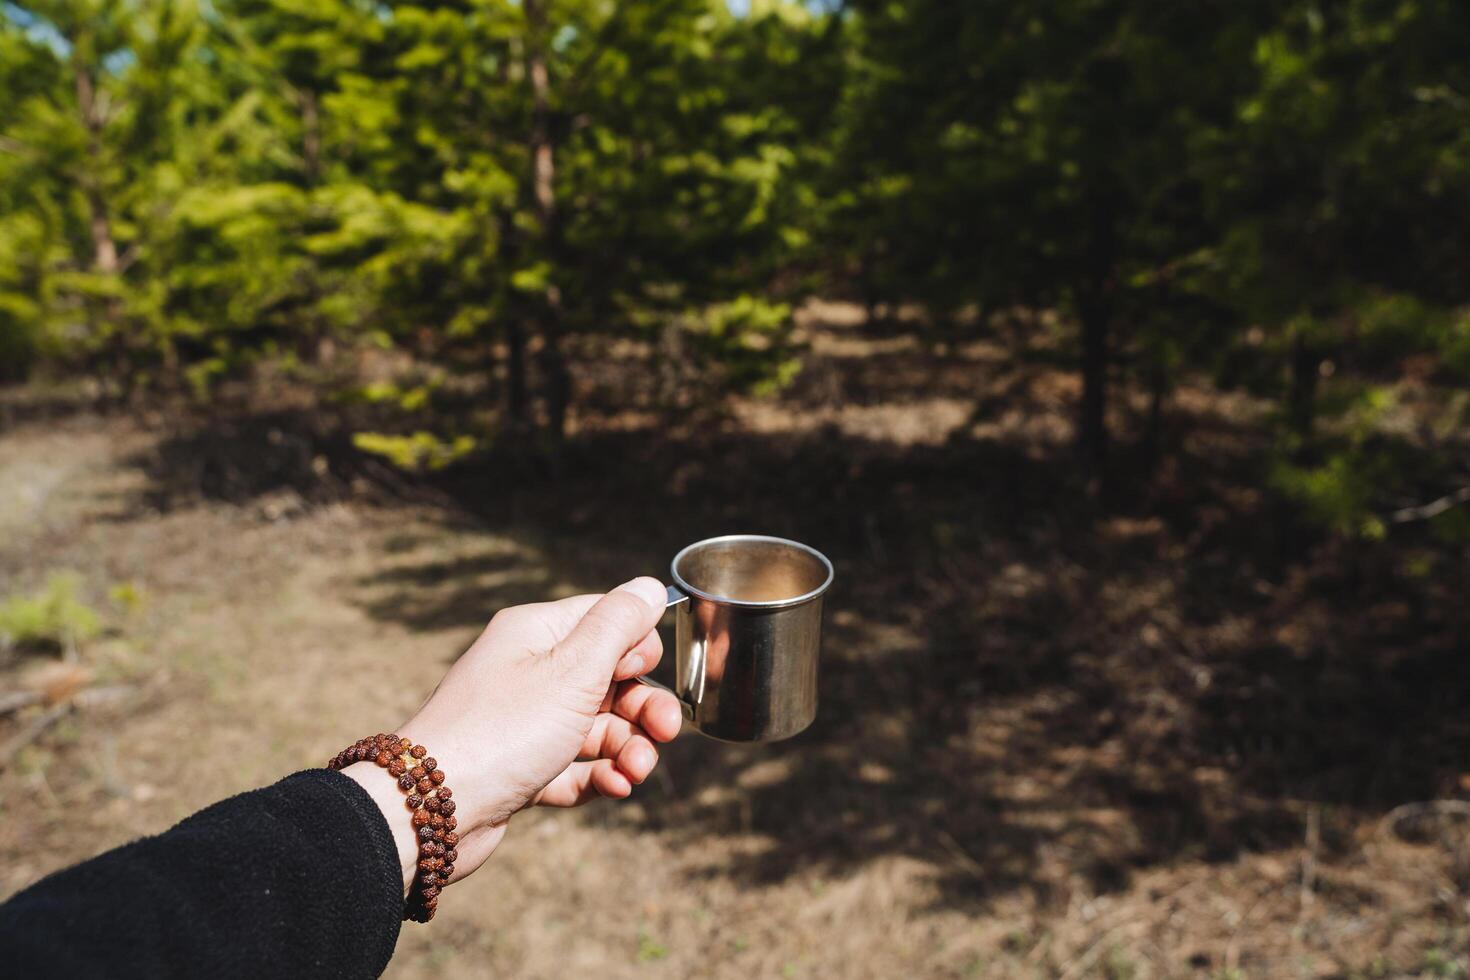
(612, 627)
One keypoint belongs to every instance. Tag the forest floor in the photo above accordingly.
(1173, 739)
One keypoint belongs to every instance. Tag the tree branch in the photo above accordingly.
(1432, 509)
(33, 730)
(128, 257)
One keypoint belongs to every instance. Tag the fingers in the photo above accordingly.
(615, 625)
(641, 659)
(582, 782)
(627, 745)
(620, 746)
(652, 709)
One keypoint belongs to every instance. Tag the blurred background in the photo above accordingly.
(1117, 352)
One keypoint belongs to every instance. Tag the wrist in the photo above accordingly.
(482, 800)
(385, 793)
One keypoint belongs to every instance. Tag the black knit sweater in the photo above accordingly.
(300, 879)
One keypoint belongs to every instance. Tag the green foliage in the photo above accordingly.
(746, 342)
(95, 157)
(1336, 493)
(52, 617)
(1442, 963)
(187, 186)
(405, 398)
(649, 948)
(1275, 195)
(127, 597)
(417, 452)
(1358, 470)
(1261, 192)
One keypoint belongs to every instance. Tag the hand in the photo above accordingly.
(545, 685)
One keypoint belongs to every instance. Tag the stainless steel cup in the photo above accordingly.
(748, 630)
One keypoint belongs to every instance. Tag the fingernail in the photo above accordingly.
(632, 665)
(650, 590)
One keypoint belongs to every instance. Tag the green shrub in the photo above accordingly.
(53, 617)
(417, 452)
(1360, 469)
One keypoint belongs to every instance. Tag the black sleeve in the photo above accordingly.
(297, 879)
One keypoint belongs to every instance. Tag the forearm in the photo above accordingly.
(299, 878)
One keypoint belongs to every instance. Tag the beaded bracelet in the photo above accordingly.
(433, 812)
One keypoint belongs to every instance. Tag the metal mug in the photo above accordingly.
(748, 628)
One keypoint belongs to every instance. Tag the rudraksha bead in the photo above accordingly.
(420, 777)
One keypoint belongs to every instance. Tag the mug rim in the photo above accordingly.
(744, 604)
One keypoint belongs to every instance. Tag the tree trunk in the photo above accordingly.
(867, 275)
(1092, 425)
(104, 247)
(517, 415)
(105, 259)
(315, 337)
(1096, 309)
(1153, 433)
(556, 381)
(558, 384)
(1302, 398)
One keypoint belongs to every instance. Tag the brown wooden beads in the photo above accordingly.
(420, 777)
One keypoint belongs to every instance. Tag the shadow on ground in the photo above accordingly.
(1017, 687)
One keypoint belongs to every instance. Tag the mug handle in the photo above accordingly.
(677, 595)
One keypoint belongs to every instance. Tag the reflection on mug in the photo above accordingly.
(749, 611)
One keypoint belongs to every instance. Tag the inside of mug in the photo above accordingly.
(752, 570)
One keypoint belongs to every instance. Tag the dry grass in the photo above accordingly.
(1053, 743)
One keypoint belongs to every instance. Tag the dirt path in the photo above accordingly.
(264, 638)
